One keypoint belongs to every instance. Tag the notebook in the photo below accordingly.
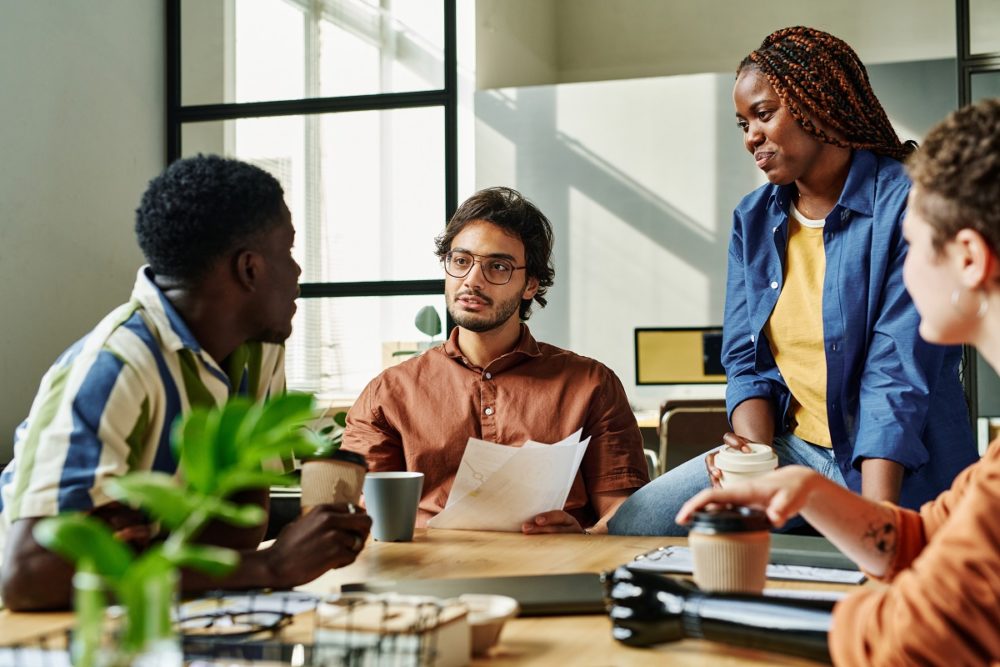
(538, 595)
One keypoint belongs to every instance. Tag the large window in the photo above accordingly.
(352, 105)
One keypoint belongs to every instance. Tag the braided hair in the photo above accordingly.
(817, 75)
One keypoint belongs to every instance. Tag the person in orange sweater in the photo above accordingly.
(942, 564)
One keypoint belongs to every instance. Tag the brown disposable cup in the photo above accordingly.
(337, 478)
(730, 549)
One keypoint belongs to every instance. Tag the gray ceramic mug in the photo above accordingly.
(391, 499)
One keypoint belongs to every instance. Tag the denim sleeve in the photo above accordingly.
(739, 340)
(895, 384)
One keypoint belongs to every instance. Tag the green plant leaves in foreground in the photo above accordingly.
(78, 537)
(222, 450)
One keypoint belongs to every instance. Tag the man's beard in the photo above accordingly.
(503, 312)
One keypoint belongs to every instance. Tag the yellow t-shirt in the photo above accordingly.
(795, 329)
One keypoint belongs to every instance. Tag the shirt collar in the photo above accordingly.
(170, 326)
(526, 348)
(858, 194)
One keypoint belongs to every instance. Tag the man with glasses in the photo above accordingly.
(492, 380)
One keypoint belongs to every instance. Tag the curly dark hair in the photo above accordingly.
(956, 174)
(201, 208)
(508, 209)
(817, 75)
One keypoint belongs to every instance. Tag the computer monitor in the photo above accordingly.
(679, 355)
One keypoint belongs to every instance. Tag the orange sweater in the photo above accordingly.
(942, 606)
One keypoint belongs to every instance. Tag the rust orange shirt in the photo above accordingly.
(420, 414)
(942, 605)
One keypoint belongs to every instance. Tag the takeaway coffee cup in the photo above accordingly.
(730, 548)
(738, 466)
(391, 499)
(336, 478)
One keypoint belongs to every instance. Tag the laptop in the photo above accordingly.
(809, 551)
(538, 595)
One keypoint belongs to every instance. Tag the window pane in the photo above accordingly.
(338, 345)
(365, 189)
(259, 50)
(984, 26)
(985, 84)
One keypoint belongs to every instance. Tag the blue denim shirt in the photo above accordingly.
(890, 394)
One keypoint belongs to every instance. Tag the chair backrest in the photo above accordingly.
(689, 428)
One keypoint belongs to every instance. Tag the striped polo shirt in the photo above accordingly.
(107, 405)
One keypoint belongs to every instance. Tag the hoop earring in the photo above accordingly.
(984, 305)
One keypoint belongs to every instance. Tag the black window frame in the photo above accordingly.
(970, 64)
(178, 114)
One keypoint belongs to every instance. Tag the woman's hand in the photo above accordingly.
(781, 494)
(729, 440)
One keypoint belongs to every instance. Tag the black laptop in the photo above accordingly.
(538, 595)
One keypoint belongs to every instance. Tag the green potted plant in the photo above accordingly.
(220, 451)
(428, 322)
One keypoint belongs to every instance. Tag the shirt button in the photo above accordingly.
(774, 230)
(833, 347)
(774, 285)
(488, 411)
(751, 338)
(844, 215)
(489, 376)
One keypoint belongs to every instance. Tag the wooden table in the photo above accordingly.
(548, 641)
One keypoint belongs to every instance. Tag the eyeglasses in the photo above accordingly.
(497, 271)
(232, 623)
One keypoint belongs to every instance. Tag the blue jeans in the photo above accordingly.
(651, 509)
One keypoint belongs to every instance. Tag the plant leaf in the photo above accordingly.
(244, 516)
(158, 494)
(213, 561)
(232, 418)
(232, 481)
(340, 419)
(78, 537)
(428, 321)
(192, 439)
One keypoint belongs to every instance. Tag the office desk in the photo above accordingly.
(557, 640)
(562, 640)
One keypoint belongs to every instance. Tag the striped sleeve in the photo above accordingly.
(86, 425)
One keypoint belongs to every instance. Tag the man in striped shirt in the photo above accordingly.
(206, 321)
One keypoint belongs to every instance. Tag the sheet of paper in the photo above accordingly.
(677, 560)
(499, 487)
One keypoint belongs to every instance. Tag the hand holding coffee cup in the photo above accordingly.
(752, 460)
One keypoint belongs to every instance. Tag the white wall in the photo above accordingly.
(81, 132)
(530, 42)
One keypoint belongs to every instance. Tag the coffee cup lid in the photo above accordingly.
(729, 519)
(761, 457)
(342, 455)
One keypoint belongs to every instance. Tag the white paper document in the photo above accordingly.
(499, 487)
(678, 560)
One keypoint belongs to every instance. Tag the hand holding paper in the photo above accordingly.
(499, 487)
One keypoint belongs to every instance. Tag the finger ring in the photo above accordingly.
(358, 543)
(351, 509)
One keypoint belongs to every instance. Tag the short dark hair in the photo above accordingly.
(817, 75)
(508, 209)
(201, 208)
(957, 174)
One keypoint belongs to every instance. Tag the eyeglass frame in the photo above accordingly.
(446, 261)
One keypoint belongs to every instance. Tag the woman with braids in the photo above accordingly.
(820, 340)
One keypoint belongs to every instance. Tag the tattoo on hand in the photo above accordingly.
(882, 536)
